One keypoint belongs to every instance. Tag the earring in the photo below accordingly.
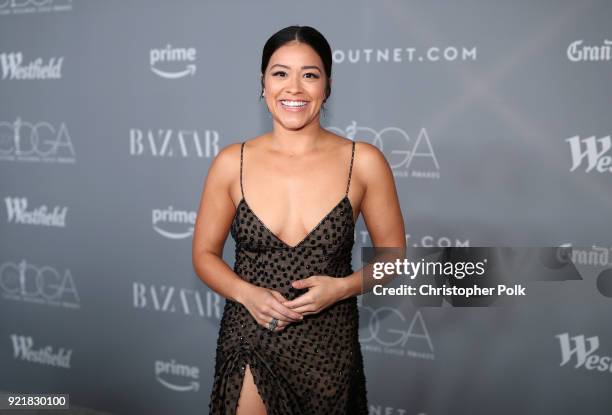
(263, 92)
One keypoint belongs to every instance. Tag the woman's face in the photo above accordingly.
(294, 85)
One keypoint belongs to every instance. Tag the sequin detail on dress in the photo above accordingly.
(312, 367)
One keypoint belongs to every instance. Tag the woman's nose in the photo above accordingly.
(295, 84)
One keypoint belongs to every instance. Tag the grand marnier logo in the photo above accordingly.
(577, 52)
(173, 63)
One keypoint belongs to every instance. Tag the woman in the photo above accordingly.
(288, 341)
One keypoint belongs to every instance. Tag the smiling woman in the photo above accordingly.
(293, 88)
(288, 340)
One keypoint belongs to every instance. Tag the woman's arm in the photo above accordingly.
(381, 211)
(211, 228)
(215, 214)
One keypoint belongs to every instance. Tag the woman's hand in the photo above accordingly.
(265, 304)
(323, 291)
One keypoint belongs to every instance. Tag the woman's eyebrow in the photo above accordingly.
(303, 67)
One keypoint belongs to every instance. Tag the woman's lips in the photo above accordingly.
(294, 108)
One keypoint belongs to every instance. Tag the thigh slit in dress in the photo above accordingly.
(314, 366)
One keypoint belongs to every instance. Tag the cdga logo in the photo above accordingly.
(406, 157)
(388, 331)
(34, 6)
(35, 142)
(38, 284)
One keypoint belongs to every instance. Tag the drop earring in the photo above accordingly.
(263, 93)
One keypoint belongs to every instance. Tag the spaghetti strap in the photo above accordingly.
(241, 151)
(350, 170)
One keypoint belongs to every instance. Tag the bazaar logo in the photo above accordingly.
(13, 68)
(35, 142)
(594, 152)
(34, 6)
(174, 143)
(172, 369)
(169, 299)
(171, 216)
(407, 157)
(578, 53)
(17, 212)
(38, 284)
(171, 57)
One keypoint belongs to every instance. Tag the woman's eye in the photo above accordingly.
(283, 74)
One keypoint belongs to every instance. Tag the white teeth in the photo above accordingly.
(294, 103)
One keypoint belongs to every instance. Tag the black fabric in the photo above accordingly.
(311, 367)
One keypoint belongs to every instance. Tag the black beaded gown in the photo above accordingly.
(314, 366)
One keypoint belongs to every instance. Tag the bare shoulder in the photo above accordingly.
(225, 167)
(370, 163)
(368, 153)
(227, 157)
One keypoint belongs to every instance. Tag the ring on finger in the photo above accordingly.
(272, 324)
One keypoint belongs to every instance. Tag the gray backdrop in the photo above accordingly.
(494, 116)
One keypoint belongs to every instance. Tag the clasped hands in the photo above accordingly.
(265, 304)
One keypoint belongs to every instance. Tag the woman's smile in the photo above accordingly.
(294, 105)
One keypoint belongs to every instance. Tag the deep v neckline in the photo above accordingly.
(305, 238)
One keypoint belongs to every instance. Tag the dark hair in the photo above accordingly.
(303, 34)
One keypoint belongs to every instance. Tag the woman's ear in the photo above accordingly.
(327, 92)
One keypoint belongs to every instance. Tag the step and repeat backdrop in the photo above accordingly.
(494, 116)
